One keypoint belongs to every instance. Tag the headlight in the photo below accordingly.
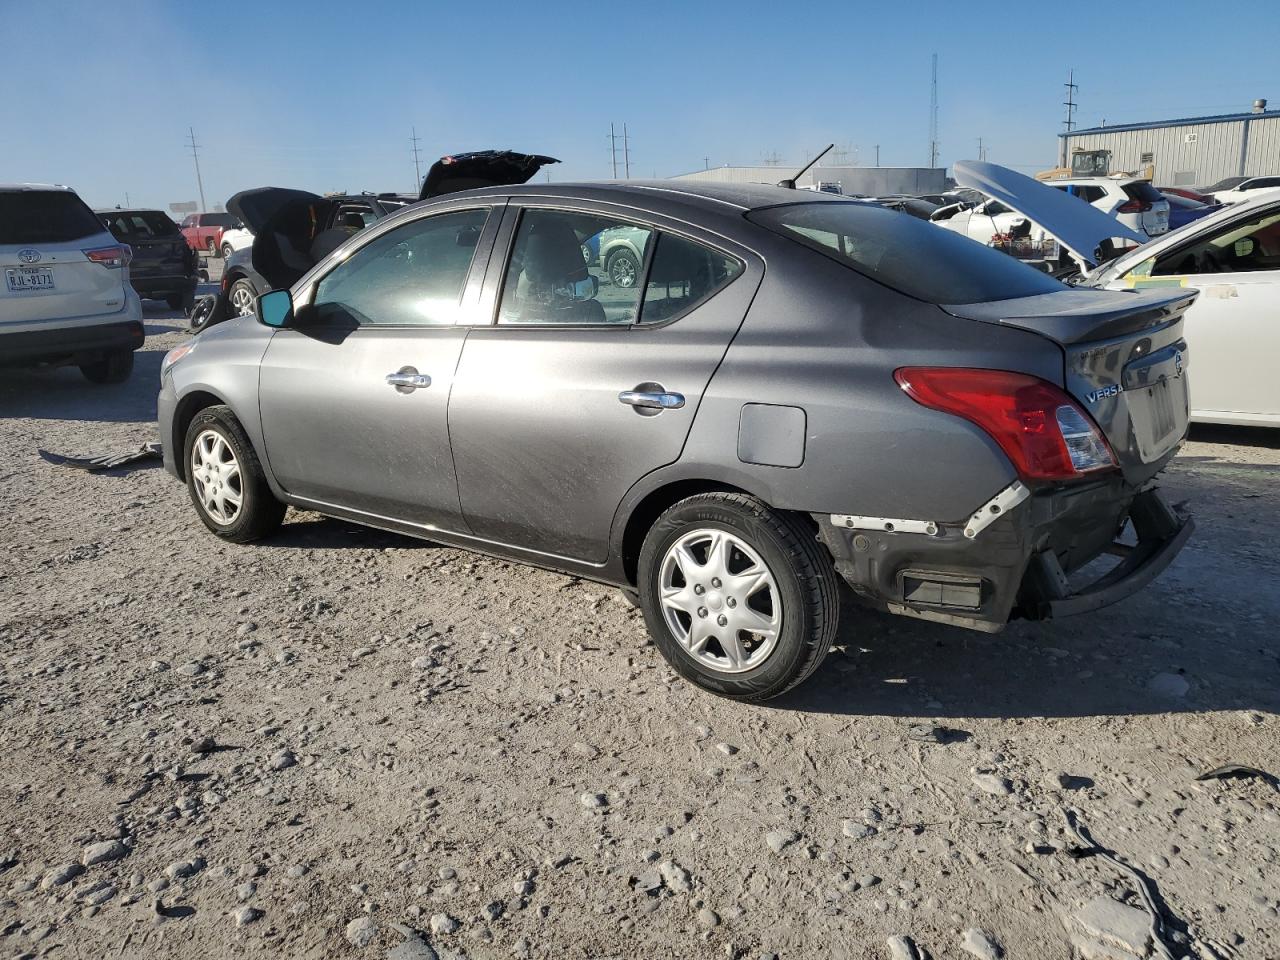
(174, 355)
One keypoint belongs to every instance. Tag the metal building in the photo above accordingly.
(870, 181)
(1195, 150)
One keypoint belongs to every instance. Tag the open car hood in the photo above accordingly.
(1079, 226)
(483, 168)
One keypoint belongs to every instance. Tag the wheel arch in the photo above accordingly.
(186, 410)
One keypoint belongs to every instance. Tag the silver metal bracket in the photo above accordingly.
(995, 508)
(887, 524)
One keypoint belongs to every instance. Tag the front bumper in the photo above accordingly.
(166, 407)
(1019, 565)
(71, 344)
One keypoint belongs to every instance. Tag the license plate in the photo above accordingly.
(26, 279)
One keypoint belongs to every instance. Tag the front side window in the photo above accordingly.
(413, 275)
(1240, 247)
(890, 248)
(574, 268)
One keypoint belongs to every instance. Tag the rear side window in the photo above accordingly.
(139, 224)
(911, 256)
(682, 275)
(45, 216)
(1141, 190)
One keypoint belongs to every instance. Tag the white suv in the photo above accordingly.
(236, 238)
(65, 295)
(1132, 201)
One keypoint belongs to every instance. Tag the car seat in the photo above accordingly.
(551, 269)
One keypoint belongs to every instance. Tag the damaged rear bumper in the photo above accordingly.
(1016, 565)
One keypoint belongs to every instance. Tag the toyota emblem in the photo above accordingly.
(29, 256)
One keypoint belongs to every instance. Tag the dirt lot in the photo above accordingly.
(343, 743)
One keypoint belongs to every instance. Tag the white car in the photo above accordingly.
(65, 296)
(983, 222)
(1233, 328)
(1245, 189)
(237, 238)
(1132, 201)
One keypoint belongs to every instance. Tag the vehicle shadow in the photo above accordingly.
(1239, 436)
(62, 393)
(315, 531)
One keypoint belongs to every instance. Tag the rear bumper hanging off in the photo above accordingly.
(1017, 563)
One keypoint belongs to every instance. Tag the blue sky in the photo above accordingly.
(322, 95)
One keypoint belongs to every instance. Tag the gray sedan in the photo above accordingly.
(796, 390)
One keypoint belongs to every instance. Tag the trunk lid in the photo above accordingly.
(1080, 227)
(285, 224)
(483, 168)
(45, 274)
(159, 249)
(1125, 362)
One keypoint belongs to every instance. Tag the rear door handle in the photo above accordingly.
(408, 379)
(652, 400)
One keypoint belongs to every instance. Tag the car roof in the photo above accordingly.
(19, 187)
(708, 196)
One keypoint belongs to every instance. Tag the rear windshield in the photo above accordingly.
(911, 256)
(218, 220)
(1141, 190)
(45, 216)
(139, 224)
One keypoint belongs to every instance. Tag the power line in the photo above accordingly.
(195, 155)
(417, 169)
(1070, 102)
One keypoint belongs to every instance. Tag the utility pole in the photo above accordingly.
(1070, 102)
(982, 151)
(626, 152)
(877, 154)
(195, 155)
(126, 199)
(772, 160)
(417, 169)
(933, 116)
(706, 163)
(613, 150)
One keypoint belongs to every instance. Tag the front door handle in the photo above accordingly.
(649, 397)
(408, 379)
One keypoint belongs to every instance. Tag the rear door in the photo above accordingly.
(354, 398)
(46, 270)
(583, 385)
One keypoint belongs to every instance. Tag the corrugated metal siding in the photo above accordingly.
(873, 181)
(1264, 148)
(1214, 152)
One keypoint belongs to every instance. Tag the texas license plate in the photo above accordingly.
(25, 279)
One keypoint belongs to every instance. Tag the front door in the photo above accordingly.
(585, 383)
(354, 398)
(1233, 328)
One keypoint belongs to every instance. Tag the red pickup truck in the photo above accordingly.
(203, 231)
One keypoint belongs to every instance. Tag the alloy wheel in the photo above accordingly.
(719, 600)
(242, 300)
(217, 477)
(622, 271)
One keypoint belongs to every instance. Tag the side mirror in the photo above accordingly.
(274, 308)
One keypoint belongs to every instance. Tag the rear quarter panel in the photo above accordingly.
(825, 339)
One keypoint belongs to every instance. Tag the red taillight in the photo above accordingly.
(1026, 416)
(113, 257)
(1134, 206)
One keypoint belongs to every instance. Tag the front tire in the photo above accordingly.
(225, 479)
(740, 598)
(112, 368)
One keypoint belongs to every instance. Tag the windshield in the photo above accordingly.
(139, 224)
(45, 216)
(908, 255)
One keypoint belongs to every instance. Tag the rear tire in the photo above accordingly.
(112, 368)
(764, 552)
(225, 478)
(227, 251)
(211, 246)
(623, 268)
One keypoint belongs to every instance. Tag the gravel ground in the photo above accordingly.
(344, 743)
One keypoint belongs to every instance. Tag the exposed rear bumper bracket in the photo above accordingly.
(1161, 536)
